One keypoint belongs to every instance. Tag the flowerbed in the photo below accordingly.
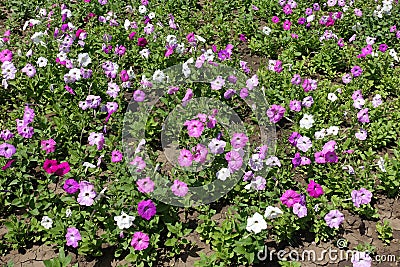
(286, 146)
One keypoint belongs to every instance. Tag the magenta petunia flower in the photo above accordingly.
(25, 131)
(7, 150)
(73, 236)
(340, 42)
(140, 241)
(331, 157)
(362, 116)
(287, 10)
(304, 161)
(139, 163)
(293, 138)
(244, 92)
(286, 25)
(71, 186)
(320, 157)
(185, 158)
(383, 47)
(314, 190)
(296, 160)
(6, 135)
(195, 128)
(295, 105)
(235, 161)
(275, 19)
(329, 146)
(6, 55)
(356, 71)
(296, 80)
(116, 156)
(334, 218)
(145, 185)
(142, 42)
(200, 153)
(8, 164)
(187, 97)
(120, 50)
(147, 209)
(239, 140)
(132, 35)
(275, 113)
(139, 95)
(50, 166)
(124, 75)
(48, 145)
(29, 115)
(180, 189)
(62, 169)
(290, 197)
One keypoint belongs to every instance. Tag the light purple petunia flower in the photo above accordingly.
(72, 237)
(179, 188)
(334, 218)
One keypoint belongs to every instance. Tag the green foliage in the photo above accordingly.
(384, 230)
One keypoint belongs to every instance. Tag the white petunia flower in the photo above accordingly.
(273, 161)
(37, 38)
(171, 40)
(307, 121)
(209, 55)
(84, 59)
(199, 38)
(320, 134)
(76, 73)
(66, 12)
(332, 97)
(256, 223)
(142, 9)
(124, 221)
(223, 173)
(333, 130)
(42, 62)
(32, 22)
(68, 212)
(145, 53)
(381, 164)
(158, 76)
(127, 24)
(272, 212)
(46, 222)
(266, 30)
